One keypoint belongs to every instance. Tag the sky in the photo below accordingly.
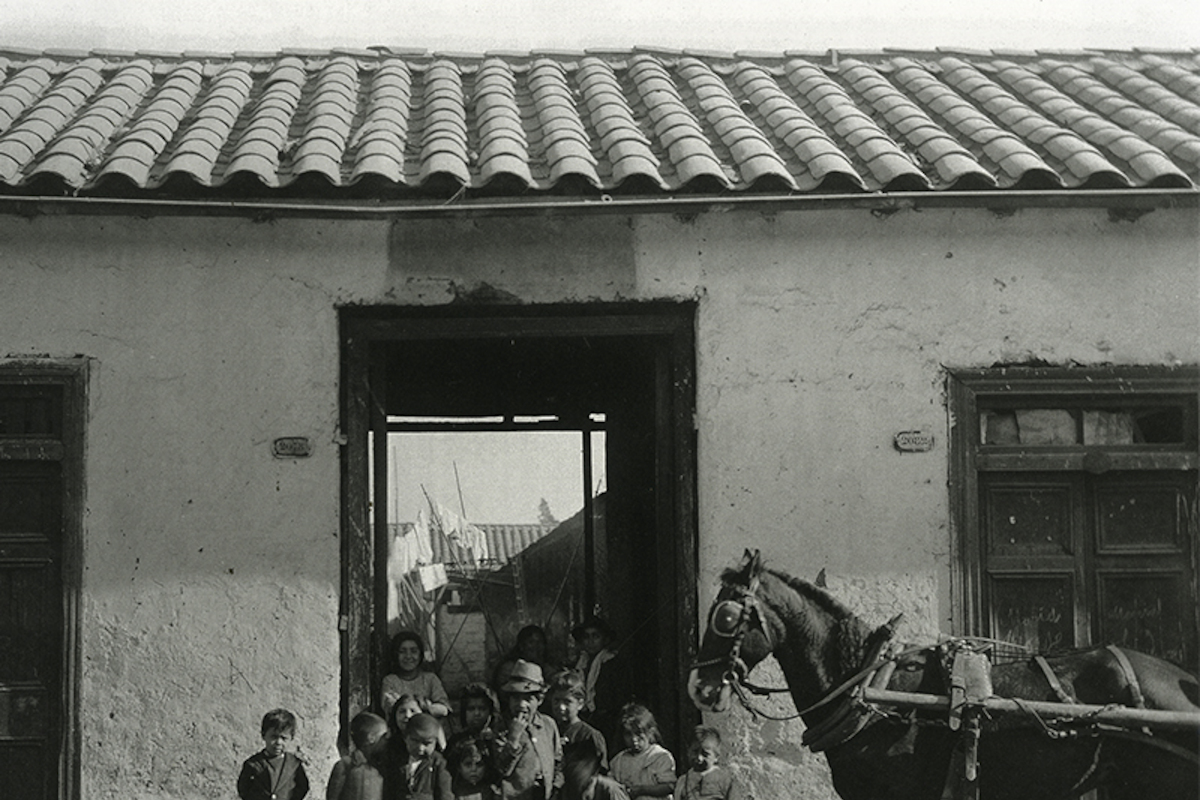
(480, 25)
(503, 476)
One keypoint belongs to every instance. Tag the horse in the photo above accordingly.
(877, 753)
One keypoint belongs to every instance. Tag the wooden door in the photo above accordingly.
(37, 471)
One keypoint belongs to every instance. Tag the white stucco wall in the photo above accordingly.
(211, 568)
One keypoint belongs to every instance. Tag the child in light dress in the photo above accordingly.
(645, 768)
(707, 779)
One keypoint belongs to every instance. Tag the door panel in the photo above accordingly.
(32, 653)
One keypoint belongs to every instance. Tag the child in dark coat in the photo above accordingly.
(273, 773)
(421, 774)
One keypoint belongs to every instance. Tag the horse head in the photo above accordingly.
(737, 636)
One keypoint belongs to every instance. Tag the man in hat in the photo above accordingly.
(528, 753)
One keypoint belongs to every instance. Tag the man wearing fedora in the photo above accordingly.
(528, 753)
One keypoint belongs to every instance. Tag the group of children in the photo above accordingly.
(520, 755)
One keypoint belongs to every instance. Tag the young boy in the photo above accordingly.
(527, 755)
(359, 776)
(707, 780)
(566, 701)
(273, 773)
(422, 774)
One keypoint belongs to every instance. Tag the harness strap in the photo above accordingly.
(1055, 684)
(1135, 688)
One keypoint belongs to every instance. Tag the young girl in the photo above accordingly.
(471, 778)
(477, 709)
(404, 709)
(644, 767)
(707, 779)
(408, 654)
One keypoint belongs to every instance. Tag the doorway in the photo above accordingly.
(41, 489)
(605, 394)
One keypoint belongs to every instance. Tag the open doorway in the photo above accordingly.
(459, 424)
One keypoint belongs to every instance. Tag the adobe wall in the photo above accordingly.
(211, 568)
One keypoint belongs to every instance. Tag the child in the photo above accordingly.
(527, 755)
(408, 653)
(477, 710)
(644, 767)
(604, 686)
(581, 775)
(566, 701)
(405, 709)
(421, 774)
(470, 776)
(273, 773)
(359, 776)
(707, 780)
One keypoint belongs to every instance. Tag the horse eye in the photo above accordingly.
(726, 617)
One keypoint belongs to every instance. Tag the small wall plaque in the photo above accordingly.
(914, 441)
(292, 447)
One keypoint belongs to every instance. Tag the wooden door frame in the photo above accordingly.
(366, 332)
(72, 375)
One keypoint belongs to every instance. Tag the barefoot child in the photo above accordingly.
(644, 767)
(707, 779)
(273, 773)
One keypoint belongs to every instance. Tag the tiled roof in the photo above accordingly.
(505, 541)
(397, 125)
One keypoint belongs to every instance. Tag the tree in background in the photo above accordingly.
(546, 517)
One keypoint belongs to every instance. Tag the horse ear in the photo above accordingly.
(821, 578)
(751, 565)
(754, 566)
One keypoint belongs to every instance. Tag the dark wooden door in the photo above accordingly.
(31, 590)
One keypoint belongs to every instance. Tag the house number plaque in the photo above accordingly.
(914, 441)
(292, 447)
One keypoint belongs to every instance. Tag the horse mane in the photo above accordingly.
(852, 636)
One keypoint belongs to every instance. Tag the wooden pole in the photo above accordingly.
(1122, 716)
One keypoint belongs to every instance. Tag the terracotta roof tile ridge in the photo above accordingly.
(138, 148)
(620, 139)
(444, 124)
(953, 163)
(884, 159)
(262, 143)
(21, 92)
(1147, 162)
(78, 149)
(503, 145)
(1179, 80)
(1016, 163)
(1150, 93)
(818, 156)
(564, 138)
(378, 145)
(321, 148)
(1082, 162)
(750, 150)
(24, 141)
(675, 128)
(198, 148)
(1116, 107)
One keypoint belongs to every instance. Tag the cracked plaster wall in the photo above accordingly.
(211, 568)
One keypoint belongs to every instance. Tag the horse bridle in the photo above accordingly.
(733, 619)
